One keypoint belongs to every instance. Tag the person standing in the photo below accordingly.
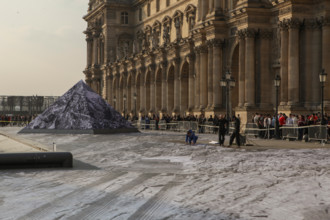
(235, 134)
(223, 126)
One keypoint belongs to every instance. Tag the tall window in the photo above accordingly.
(157, 5)
(124, 17)
(168, 2)
(148, 9)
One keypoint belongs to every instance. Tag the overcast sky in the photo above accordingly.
(42, 47)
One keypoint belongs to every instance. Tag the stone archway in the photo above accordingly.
(158, 90)
(148, 93)
(170, 90)
(184, 80)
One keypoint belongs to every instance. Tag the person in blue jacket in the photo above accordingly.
(191, 138)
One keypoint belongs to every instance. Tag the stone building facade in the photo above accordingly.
(168, 56)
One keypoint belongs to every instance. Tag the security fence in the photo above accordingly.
(315, 132)
(290, 132)
(13, 123)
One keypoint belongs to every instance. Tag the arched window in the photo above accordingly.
(124, 17)
(168, 2)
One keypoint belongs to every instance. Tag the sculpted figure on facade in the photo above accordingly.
(155, 39)
(178, 29)
(125, 48)
(166, 34)
(134, 47)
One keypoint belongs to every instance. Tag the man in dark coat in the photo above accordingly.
(223, 126)
(235, 134)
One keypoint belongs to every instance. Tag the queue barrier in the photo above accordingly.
(290, 132)
(319, 133)
(14, 123)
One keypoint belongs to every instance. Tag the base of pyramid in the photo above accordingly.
(78, 131)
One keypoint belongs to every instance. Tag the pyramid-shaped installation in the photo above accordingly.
(79, 111)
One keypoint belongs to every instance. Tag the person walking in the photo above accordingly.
(223, 126)
(235, 134)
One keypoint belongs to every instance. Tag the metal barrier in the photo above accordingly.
(290, 132)
(13, 123)
(318, 133)
(208, 127)
(251, 129)
(315, 132)
(162, 125)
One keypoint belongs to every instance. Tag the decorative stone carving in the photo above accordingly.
(191, 16)
(325, 21)
(203, 49)
(249, 33)
(166, 34)
(178, 29)
(266, 34)
(294, 23)
(167, 30)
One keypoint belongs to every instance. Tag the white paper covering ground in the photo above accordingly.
(156, 176)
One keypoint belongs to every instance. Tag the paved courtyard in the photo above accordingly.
(154, 175)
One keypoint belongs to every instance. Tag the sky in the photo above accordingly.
(42, 46)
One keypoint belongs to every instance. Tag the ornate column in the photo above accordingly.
(107, 87)
(316, 59)
(104, 84)
(293, 76)
(197, 79)
(325, 58)
(152, 89)
(217, 5)
(204, 8)
(217, 69)
(210, 76)
(191, 86)
(284, 63)
(142, 91)
(164, 98)
(177, 93)
(203, 77)
(308, 63)
(117, 92)
(241, 70)
(265, 77)
(250, 68)
(95, 46)
(211, 6)
(89, 40)
(133, 90)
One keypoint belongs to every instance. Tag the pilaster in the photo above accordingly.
(210, 76)
(293, 73)
(250, 68)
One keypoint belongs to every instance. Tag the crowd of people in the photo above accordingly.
(20, 120)
(264, 122)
